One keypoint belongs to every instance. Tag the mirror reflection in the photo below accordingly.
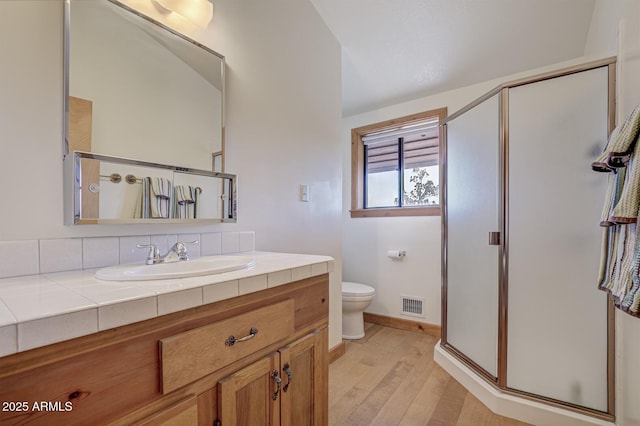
(114, 190)
(144, 122)
(139, 90)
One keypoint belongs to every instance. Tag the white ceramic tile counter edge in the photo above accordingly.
(38, 310)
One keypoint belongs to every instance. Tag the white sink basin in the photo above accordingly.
(207, 265)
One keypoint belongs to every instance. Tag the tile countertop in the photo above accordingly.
(37, 310)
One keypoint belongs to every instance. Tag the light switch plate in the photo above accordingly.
(304, 193)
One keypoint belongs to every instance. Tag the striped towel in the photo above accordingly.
(619, 273)
(142, 206)
(615, 184)
(621, 143)
(160, 199)
(186, 201)
(154, 201)
(628, 300)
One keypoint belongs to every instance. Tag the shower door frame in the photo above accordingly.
(500, 382)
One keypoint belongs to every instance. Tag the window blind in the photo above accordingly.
(420, 147)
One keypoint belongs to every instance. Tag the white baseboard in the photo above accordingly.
(508, 405)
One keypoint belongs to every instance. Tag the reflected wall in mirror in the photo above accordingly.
(137, 89)
(105, 189)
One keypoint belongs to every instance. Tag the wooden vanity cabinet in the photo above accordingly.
(285, 388)
(181, 369)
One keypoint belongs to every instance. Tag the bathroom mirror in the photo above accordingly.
(105, 190)
(136, 89)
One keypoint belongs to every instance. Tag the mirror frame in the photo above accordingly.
(73, 191)
(71, 160)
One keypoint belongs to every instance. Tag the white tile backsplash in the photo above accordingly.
(246, 241)
(19, 258)
(33, 257)
(100, 252)
(130, 253)
(60, 255)
(210, 244)
(230, 242)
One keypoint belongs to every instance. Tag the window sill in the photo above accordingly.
(396, 212)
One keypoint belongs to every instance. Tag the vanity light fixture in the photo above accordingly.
(199, 12)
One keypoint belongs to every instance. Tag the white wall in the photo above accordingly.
(615, 27)
(282, 129)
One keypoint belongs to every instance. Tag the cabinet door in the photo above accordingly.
(208, 406)
(251, 396)
(304, 382)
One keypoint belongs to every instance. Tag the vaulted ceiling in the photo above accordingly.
(398, 50)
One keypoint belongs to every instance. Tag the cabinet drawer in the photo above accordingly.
(188, 356)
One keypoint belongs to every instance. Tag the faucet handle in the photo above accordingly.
(180, 248)
(154, 253)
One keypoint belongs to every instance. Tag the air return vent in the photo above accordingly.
(412, 306)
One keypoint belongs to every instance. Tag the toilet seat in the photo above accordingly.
(357, 290)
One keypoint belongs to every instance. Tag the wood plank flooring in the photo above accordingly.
(389, 378)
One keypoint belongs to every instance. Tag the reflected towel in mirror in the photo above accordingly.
(186, 201)
(160, 201)
(155, 199)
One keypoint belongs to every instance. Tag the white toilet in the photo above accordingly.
(355, 299)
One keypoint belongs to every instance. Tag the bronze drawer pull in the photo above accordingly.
(287, 370)
(278, 381)
(232, 340)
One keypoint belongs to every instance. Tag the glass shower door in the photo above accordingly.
(557, 318)
(471, 264)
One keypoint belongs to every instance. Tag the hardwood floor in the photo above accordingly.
(389, 378)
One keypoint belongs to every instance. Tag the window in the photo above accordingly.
(395, 169)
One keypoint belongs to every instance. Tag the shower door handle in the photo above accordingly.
(494, 238)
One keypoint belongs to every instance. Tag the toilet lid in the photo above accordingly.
(356, 289)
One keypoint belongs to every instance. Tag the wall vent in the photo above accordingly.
(412, 306)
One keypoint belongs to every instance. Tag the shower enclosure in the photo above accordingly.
(521, 246)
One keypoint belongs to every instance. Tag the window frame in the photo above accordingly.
(358, 163)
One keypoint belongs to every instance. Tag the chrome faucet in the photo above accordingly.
(177, 253)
